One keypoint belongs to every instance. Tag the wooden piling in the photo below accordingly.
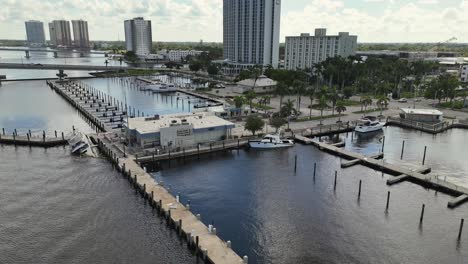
(402, 149)
(295, 163)
(461, 228)
(383, 144)
(421, 218)
(424, 156)
(359, 191)
(388, 200)
(334, 184)
(315, 169)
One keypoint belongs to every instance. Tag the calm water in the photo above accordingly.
(147, 102)
(61, 209)
(273, 215)
(48, 58)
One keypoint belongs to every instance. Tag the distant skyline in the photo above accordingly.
(192, 20)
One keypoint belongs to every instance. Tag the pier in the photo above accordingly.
(401, 173)
(326, 130)
(34, 140)
(103, 111)
(202, 239)
(427, 127)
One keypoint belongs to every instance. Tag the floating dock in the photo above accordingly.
(201, 238)
(402, 174)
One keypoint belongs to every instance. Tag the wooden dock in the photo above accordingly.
(417, 176)
(201, 149)
(34, 141)
(201, 238)
(327, 130)
(427, 127)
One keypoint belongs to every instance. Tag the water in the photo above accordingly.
(32, 105)
(48, 58)
(274, 215)
(62, 209)
(147, 102)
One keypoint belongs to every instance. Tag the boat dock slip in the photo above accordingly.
(34, 141)
(328, 130)
(303, 140)
(194, 151)
(354, 162)
(427, 127)
(415, 176)
(201, 238)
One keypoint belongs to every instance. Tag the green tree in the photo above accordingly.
(281, 90)
(366, 101)
(212, 69)
(195, 66)
(254, 124)
(239, 101)
(277, 123)
(249, 97)
(382, 102)
(340, 108)
(333, 96)
(287, 108)
(311, 95)
(299, 89)
(322, 105)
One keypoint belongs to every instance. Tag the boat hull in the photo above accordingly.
(268, 145)
(368, 129)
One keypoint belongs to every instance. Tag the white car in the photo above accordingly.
(403, 100)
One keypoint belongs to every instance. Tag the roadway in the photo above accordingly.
(51, 50)
(38, 66)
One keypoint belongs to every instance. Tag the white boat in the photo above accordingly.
(161, 88)
(270, 142)
(369, 124)
(79, 144)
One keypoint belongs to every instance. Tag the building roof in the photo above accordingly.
(146, 125)
(422, 111)
(262, 81)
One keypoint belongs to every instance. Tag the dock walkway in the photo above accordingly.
(426, 180)
(425, 127)
(205, 242)
(34, 141)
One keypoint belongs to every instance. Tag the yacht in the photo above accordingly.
(161, 88)
(270, 142)
(369, 124)
(78, 144)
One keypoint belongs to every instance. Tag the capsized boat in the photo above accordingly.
(369, 124)
(270, 142)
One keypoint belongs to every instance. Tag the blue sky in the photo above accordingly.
(192, 20)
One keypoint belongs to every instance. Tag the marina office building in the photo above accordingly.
(177, 131)
(305, 51)
(138, 36)
(251, 33)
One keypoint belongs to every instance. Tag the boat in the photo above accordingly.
(78, 144)
(161, 88)
(369, 124)
(270, 142)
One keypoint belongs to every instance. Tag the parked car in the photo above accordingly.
(403, 100)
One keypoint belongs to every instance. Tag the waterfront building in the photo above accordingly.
(262, 85)
(422, 115)
(80, 34)
(179, 55)
(35, 33)
(251, 33)
(60, 34)
(305, 51)
(464, 73)
(177, 130)
(138, 36)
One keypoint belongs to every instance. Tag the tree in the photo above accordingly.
(239, 101)
(254, 124)
(212, 69)
(281, 90)
(311, 94)
(195, 66)
(382, 102)
(321, 106)
(287, 108)
(250, 96)
(340, 108)
(366, 101)
(277, 123)
(333, 96)
(299, 89)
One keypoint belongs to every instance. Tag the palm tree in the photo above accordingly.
(340, 108)
(322, 105)
(239, 101)
(250, 96)
(382, 101)
(288, 107)
(366, 101)
(299, 89)
(311, 94)
(281, 90)
(333, 96)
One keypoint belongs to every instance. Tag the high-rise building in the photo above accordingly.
(60, 34)
(80, 34)
(138, 36)
(251, 32)
(305, 51)
(35, 32)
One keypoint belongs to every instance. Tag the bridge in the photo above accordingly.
(38, 66)
(82, 53)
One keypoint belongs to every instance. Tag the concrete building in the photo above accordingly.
(35, 33)
(80, 34)
(464, 73)
(138, 36)
(179, 55)
(175, 131)
(305, 51)
(60, 34)
(422, 115)
(251, 33)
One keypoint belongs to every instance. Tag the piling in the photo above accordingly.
(424, 156)
(334, 184)
(295, 163)
(422, 214)
(359, 191)
(383, 144)
(402, 149)
(388, 200)
(461, 228)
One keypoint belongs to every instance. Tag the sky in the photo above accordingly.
(193, 20)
